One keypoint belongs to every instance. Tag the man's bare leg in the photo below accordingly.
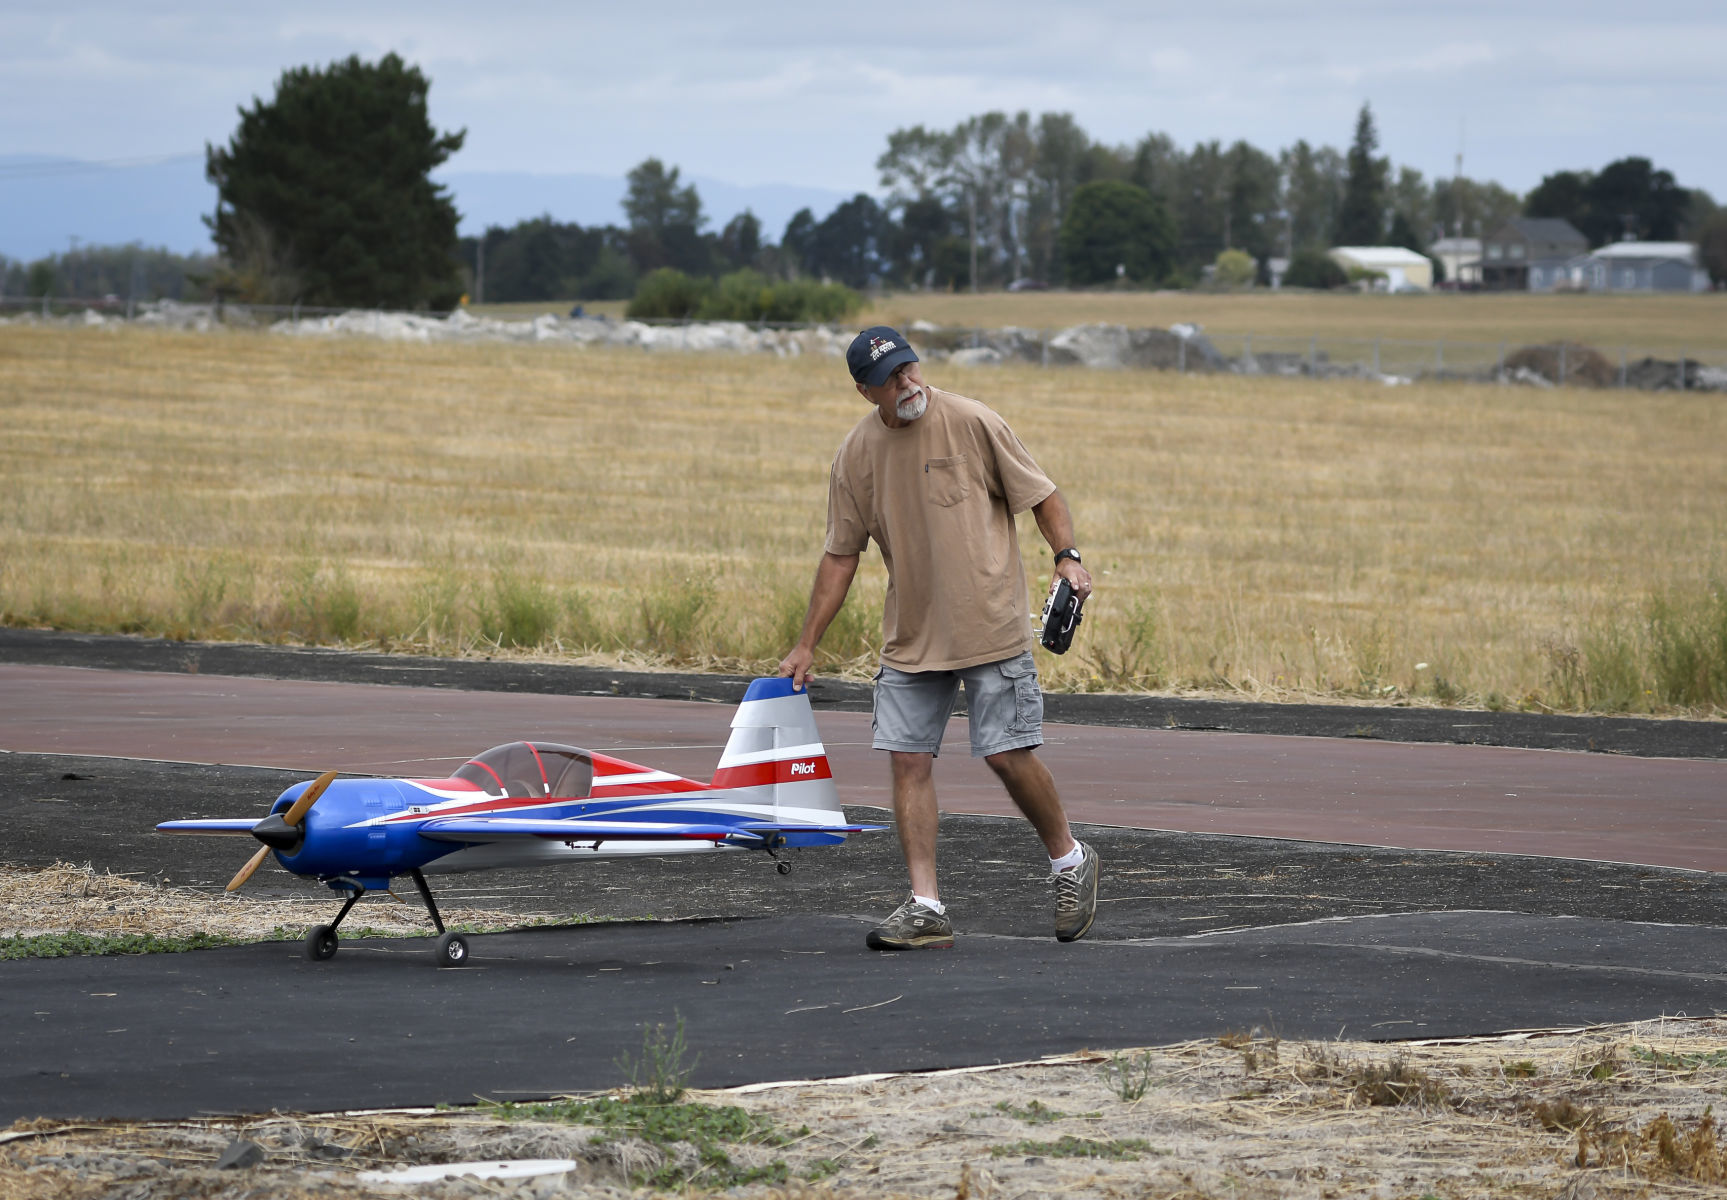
(914, 813)
(1032, 789)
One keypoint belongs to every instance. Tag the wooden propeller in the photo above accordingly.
(293, 817)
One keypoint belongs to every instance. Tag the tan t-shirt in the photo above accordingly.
(938, 496)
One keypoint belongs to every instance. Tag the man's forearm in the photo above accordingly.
(833, 581)
(1054, 521)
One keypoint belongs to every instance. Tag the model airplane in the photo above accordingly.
(541, 804)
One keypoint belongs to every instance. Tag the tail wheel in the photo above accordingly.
(321, 943)
(452, 950)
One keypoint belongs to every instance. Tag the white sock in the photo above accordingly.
(935, 906)
(1068, 861)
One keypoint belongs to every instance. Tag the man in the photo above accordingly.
(935, 479)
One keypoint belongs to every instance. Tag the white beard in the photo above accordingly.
(911, 407)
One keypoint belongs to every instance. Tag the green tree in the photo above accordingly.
(1712, 248)
(1627, 197)
(851, 243)
(1361, 216)
(741, 240)
(327, 185)
(1234, 269)
(1113, 223)
(665, 221)
(1314, 268)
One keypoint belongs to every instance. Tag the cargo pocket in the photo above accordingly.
(945, 481)
(1021, 676)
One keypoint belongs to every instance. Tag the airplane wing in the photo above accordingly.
(231, 826)
(766, 827)
(496, 829)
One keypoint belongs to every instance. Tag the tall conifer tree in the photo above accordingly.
(324, 194)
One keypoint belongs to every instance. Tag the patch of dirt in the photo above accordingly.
(66, 898)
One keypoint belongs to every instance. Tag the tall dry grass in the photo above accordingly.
(1271, 537)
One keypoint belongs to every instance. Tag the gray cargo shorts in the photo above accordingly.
(1005, 702)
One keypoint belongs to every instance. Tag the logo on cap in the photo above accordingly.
(879, 346)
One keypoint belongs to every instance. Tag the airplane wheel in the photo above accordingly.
(321, 943)
(784, 868)
(452, 950)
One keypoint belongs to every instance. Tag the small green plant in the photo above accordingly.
(705, 1128)
(1034, 1113)
(661, 1074)
(1129, 1078)
(1131, 658)
(822, 1168)
(323, 603)
(1115, 1149)
(1663, 1061)
(521, 611)
(672, 616)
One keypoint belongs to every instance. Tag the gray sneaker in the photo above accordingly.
(1076, 897)
(912, 926)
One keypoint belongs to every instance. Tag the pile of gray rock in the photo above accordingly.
(1181, 347)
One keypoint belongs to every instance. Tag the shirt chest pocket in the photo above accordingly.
(945, 482)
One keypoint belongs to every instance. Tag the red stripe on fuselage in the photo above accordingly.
(794, 770)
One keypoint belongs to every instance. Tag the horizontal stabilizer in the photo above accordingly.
(497, 829)
(230, 826)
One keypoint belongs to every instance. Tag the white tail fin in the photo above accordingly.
(775, 756)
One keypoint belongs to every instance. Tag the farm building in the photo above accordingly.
(1461, 258)
(1641, 267)
(1404, 270)
(1530, 254)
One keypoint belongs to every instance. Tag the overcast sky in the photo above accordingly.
(754, 92)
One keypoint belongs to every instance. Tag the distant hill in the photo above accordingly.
(46, 201)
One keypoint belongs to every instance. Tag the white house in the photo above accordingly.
(1461, 258)
(1640, 267)
(1404, 270)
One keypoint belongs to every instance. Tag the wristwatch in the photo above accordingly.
(1070, 552)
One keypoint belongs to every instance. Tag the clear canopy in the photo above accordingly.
(531, 770)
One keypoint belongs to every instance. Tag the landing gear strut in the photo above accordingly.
(322, 942)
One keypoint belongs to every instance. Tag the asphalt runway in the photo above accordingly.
(1389, 905)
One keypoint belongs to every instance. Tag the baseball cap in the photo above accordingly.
(875, 353)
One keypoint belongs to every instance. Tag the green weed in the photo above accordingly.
(1034, 1113)
(520, 611)
(1129, 1078)
(661, 1074)
(671, 616)
(66, 945)
(1688, 647)
(1115, 1149)
(1132, 658)
(1663, 1061)
(323, 603)
(705, 1128)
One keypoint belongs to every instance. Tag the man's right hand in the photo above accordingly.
(797, 664)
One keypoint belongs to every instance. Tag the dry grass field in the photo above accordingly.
(1269, 537)
(1660, 325)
